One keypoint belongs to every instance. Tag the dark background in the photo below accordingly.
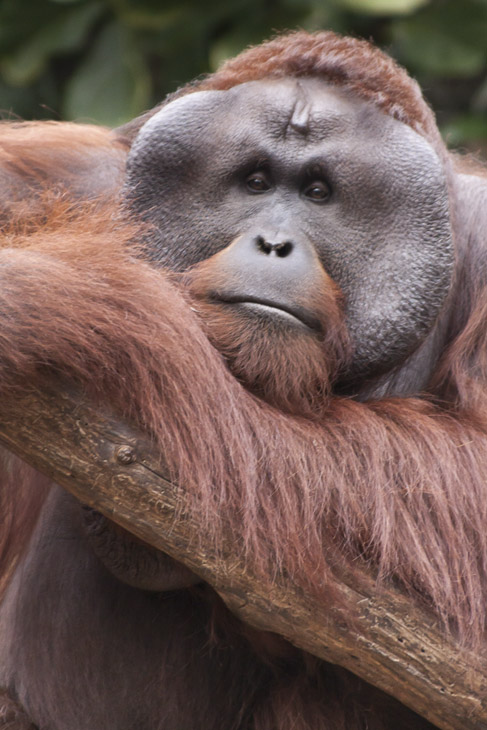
(108, 60)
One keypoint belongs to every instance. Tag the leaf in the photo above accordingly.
(113, 84)
(383, 7)
(446, 39)
(63, 34)
(464, 129)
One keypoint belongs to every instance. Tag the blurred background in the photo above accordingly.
(107, 60)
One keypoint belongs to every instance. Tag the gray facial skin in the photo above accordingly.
(365, 192)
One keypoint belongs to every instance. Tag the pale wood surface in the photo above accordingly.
(392, 644)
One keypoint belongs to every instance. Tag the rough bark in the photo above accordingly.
(393, 643)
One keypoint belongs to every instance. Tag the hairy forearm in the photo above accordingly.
(365, 480)
(376, 633)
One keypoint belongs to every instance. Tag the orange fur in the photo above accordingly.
(85, 159)
(72, 297)
(301, 474)
(347, 62)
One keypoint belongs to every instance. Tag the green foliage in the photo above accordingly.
(384, 7)
(108, 60)
(451, 43)
(112, 83)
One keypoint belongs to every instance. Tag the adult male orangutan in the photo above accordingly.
(279, 274)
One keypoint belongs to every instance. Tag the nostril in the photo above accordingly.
(262, 245)
(282, 249)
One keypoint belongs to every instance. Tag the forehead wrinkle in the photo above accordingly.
(300, 113)
(308, 120)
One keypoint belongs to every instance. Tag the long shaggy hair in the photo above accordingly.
(302, 476)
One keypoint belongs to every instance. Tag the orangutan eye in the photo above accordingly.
(257, 182)
(317, 191)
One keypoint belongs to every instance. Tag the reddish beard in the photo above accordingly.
(286, 363)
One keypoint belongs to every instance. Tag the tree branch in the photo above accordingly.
(393, 644)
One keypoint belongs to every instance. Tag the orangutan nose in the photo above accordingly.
(282, 249)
